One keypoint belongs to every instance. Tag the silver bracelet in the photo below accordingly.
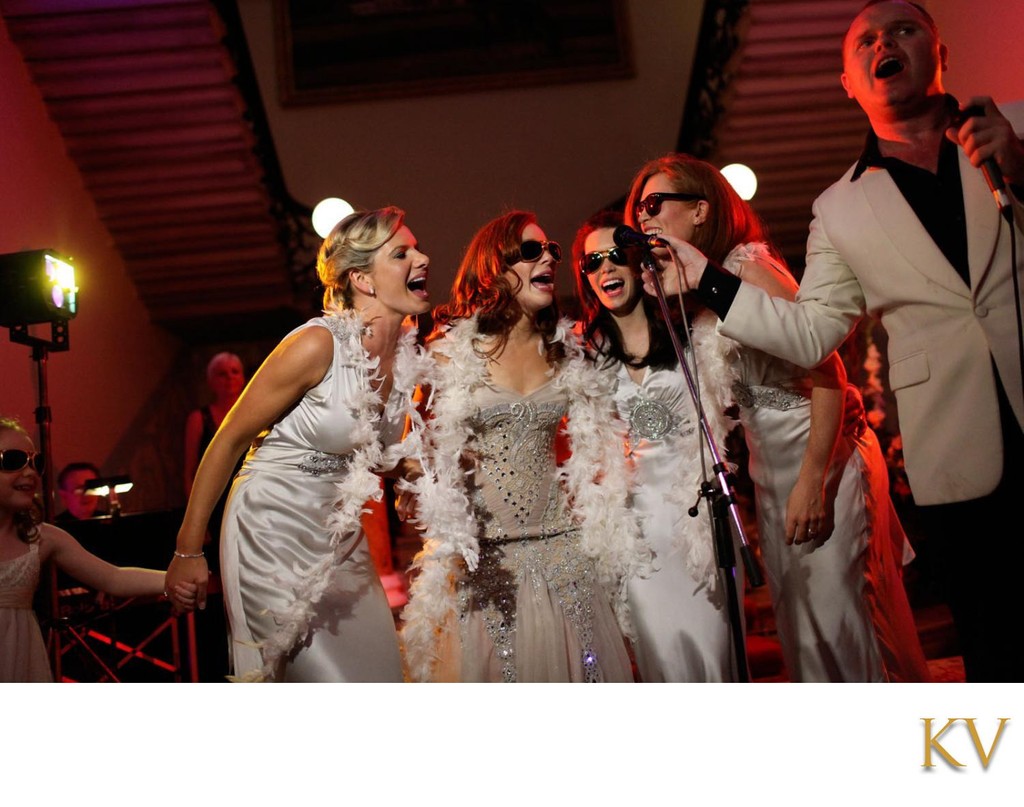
(188, 555)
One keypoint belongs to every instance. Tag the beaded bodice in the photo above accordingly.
(527, 532)
(515, 492)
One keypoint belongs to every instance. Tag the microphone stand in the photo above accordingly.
(721, 496)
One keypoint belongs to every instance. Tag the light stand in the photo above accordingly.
(38, 286)
(41, 349)
(720, 497)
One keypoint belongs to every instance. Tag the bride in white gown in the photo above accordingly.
(304, 602)
(522, 571)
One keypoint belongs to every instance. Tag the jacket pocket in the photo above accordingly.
(908, 371)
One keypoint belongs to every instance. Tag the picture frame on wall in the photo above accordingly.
(335, 51)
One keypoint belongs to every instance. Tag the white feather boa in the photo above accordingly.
(595, 477)
(720, 367)
(359, 482)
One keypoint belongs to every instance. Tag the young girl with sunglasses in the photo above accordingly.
(828, 534)
(679, 612)
(27, 545)
(524, 560)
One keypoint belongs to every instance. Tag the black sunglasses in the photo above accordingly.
(592, 261)
(652, 202)
(530, 251)
(14, 459)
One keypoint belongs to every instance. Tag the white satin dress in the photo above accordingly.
(680, 612)
(22, 651)
(841, 611)
(276, 529)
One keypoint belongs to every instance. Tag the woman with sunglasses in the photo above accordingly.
(679, 612)
(303, 598)
(27, 545)
(828, 535)
(523, 560)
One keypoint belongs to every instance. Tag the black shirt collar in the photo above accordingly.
(871, 157)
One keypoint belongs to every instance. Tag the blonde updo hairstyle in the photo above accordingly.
(350, 247)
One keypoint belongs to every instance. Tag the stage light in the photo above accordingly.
(329, 212)
(742, 179)
(110, 487)
(103, 485)
(36, 286)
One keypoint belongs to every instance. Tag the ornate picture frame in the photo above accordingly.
(334, 51)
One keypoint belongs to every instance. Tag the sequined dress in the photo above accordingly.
(276, 527)
(532, 611)
(841, 611)
(681, 616)
(22, 651)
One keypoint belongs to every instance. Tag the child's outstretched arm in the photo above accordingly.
(127, 581)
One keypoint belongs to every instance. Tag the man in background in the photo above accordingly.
(70, 485)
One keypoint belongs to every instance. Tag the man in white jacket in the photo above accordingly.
(912, 236)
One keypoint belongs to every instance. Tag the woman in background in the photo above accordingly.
(225, 377)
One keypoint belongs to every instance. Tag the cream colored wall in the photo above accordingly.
(984, 44)
(984, 41)
(456, 161)
(117, 358)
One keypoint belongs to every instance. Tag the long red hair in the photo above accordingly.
(484, 286)
(731, 221)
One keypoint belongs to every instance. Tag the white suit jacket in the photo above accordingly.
(869, 253)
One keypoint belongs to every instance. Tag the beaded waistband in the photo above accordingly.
(317, 463)
(522, 539)
(768, 397)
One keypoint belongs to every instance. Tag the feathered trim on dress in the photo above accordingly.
(715, 374)
(718, 356)
(359, 483)
(595, 477)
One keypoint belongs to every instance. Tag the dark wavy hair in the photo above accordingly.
(600, 330)
(27, 521)
(484, 286)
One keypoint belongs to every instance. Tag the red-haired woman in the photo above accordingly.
(522, 556)
(828, 532)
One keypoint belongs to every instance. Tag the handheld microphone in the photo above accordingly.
(625, 236)
(989, 168)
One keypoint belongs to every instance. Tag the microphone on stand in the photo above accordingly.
(625, 236)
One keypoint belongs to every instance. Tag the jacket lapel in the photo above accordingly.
(982, 220)
(906, 233)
